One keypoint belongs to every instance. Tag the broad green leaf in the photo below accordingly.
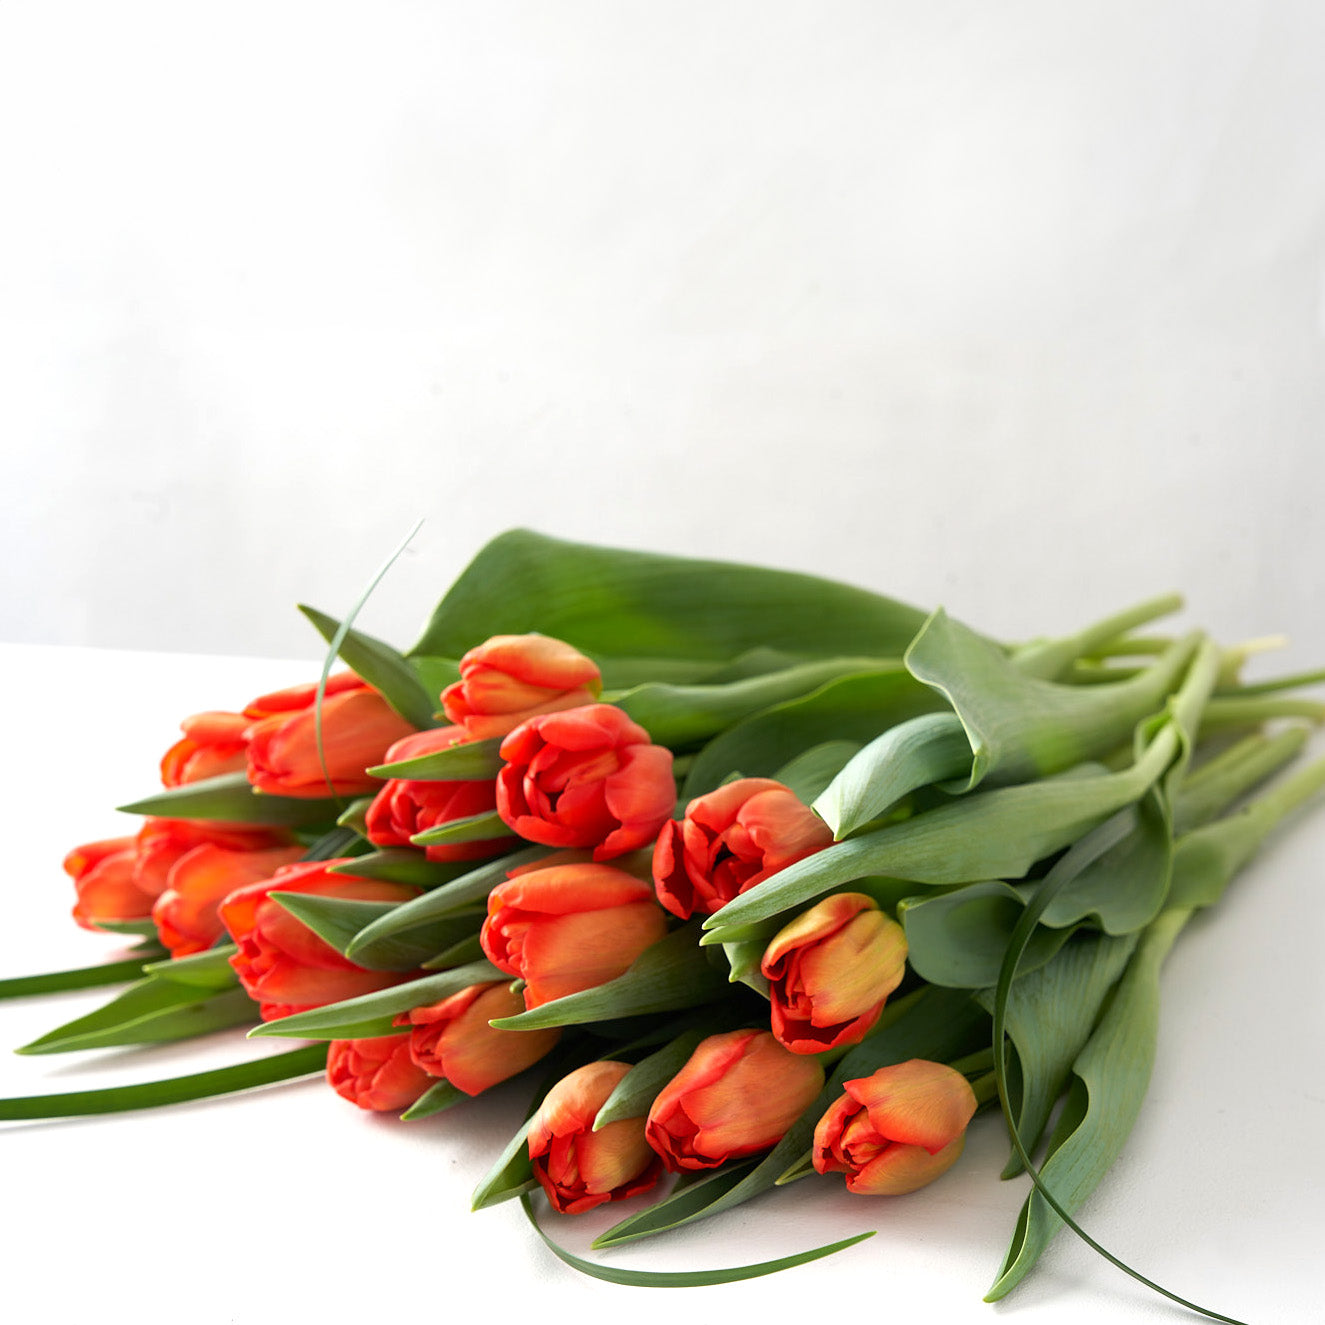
(510, 1176)
(143, 929)
(470, 761)
(636, 1091)
(338, 920)
(175, 1090)
(474, 828)
(205, 970)
(387, 671)
(850, 708)
(435, 1099)
(403, 865)
(810, 772)
(462, 951)
(82, 977)
(434, 673)
(330, 1022)
(674, 973)
(607, 601)
(229, 797)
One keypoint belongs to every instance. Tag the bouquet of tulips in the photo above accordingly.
(756, 876)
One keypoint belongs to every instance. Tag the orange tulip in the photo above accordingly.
(738, 1094)
(830, 972)
(510, 678)
(281, 963)
(404, 806)
(577, 1167)
(452, 1038)
(162, 843)
(358, 726)
(585, 777)
(213, 743)
(103, 875)
(731, 840)
(376, 1073)
(896, 1130)
(569, 927)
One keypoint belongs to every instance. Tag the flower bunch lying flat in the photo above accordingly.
(754, 876)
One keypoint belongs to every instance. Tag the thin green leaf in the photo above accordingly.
(403, 865)
(180, 1021)
(469, 761)
(143, 929)
(229, 797)
(473, 828)
(386, 670)
(636, 1091)
(435, 1099)
(510, 1175)
(82, 977)
(175, 1090)
(338, 921)
(206, 970)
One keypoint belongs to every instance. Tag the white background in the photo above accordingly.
(1017, 307)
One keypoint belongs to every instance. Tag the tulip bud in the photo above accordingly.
(511, 678)
(452, 1038)
(738, 1094)
(730, 840)
(569, 927)
(376, 1073)
(281, 963)
(830, 972)
(577, 1167)
(897, 1130)
(585, 777)
(405, 806)
(358, 726)
(103, 875)
(214, 743)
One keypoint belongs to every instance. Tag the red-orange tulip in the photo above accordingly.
(213, 743)
(577, 1167)
(281, 963)
(358, 727)
(405, 806)
(896, 1130)
(569, 927)
(376, 1074)
(103, 875)
(731, 840)
(830, 972)
(162, 843)
(452, 1038)
(737, 1095)
(585, 777)
(510, 678)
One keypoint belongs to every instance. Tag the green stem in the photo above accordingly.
(1047, 659)
(83, 977)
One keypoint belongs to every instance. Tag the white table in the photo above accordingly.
(289, 1204)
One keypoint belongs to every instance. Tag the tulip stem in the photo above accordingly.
(985, 1087)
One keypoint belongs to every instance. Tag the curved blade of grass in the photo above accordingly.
(683, 1278)
(376, 662)
(230, 797)
(174, 1090)
(609, 601)
(470, 761)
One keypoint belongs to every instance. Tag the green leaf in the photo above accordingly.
(510, 1176)
(354, 818)
(470, 761)
(205, 970)
(607, 601)
(229, 797)
(463, 950)
(435, 1099)
(386, 670)
(82, 977)
(336, 1020)
(851, 708)
(403, 865)
(635, 1092)
(474, 828)
(339, 841)
(143, 929)
(685, 1278)
(338, 920)
(673, 973)
(1210, 789)
(175, 1090)
(810, 772)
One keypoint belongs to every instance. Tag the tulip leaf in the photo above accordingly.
(143, 929)
(467, 761)
(673, 973)
(683, 716)
(510, 1176)
(685, 1278)
(82, 977)
(1207, 791)
(330, 1022)
(635, 1092)
(809, 773)
(206, 970)
(608, 601)
(457, 895)
(931, 748)
(387, 671)
(442, 1095)
(467, 949)
(472, 828)
(174, 1090)
(402, 865)
(850, 708)
(229, 797)
(355, 818)
(435, 673)
(336, 843)
(338, 920)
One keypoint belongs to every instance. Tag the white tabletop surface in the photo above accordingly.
(289, 1204)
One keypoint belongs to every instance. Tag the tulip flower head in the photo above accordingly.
(452, 1038)
(511, 678)
(214, 743)
(731, 840)
(405, 806)
(104, 883)
(585, 777)
(897, 1130)
(377, 1073)
(738, 1094)
(577, 1167)
(281, 963)
(358, 727)
(830, 972)
(569, 927)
